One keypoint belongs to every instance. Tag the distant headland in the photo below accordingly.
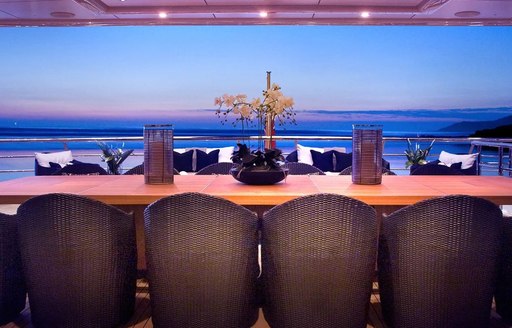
(500, 128)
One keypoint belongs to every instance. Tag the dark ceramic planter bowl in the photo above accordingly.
(259, 175)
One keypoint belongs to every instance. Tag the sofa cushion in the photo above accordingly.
(79, 168)
(304, 153)
(204, 159)
(183, 161)
(342, 161)
(292, 157)
(225, 153)
(323, 161)
(466, 160)
(62, 158)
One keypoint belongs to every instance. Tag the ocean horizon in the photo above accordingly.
(203, 122)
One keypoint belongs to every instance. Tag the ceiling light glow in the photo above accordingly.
(263, 14)
(365, 14)
(162, 15)
(467, 13)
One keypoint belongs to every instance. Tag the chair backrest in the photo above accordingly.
(216, 168)
(318, 259)
(348, 171)
(438, 262)
(435, 169)
(136, 170)
(503, 295)
(12, 287)
(139, 170)
(202, 262)
(297, 168)
(79, 261)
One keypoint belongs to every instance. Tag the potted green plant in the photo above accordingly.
(415, 155)
(114, 157)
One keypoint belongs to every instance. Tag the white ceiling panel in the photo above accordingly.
(244, 12)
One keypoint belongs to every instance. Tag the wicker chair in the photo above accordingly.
(297, 168)
(139, 169)
(318, 254)
(12, 287)
(503, 295)
(216, 168)
(202, 262)
(79, 261)
(438, 262)
(348, 171)
(136, 170)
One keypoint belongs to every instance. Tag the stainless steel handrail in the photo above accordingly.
(502, 158)
(471, 142)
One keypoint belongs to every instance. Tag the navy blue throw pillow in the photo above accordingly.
(457, 166)
(292, 157)
(323, 161)
(79, 168)
(41, 170)
(183, 162)
(204, 159)
(454, 166)
(343, 160)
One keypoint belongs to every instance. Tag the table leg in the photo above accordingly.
(138, 218)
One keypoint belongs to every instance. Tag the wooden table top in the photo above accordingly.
(131, 189)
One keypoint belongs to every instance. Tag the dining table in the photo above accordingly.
(131, 193)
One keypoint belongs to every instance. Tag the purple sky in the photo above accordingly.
(171, 72)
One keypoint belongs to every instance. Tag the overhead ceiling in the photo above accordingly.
(245, 12)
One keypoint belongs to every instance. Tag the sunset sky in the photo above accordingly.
(133, 72)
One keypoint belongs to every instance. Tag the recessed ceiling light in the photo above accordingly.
(467, 13)
(365, 14)
(62, 14)
(263, 14)
(162, 15)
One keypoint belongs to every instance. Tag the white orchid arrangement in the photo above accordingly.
(255, 113)
(274, 106)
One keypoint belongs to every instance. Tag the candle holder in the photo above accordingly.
(158, 154)
(366, 154)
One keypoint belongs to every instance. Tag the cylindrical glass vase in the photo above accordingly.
(366, 154)
(158, 154)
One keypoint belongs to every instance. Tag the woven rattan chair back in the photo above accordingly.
(79, 261)
(297, 168)
(503, 295)
(216, 168)
(12, 287)
(318, 256)
(136, 170)
(438, 261)
(139, 170)
(348, 171)
(202, 262)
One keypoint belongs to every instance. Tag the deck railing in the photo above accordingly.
(503, 157)
(494, 154)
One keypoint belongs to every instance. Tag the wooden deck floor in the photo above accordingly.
(142, 315)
